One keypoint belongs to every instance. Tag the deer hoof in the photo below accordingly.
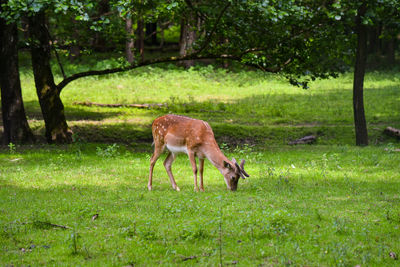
(149, 187)
(177, 189)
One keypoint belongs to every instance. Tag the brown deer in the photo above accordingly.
(181, 134)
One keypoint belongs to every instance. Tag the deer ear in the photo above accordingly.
(227, 165)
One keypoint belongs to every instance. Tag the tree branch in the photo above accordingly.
(103, 15)
(55, 52)
(208, 39)
(259, 49)
(76, 76)
(193, 56)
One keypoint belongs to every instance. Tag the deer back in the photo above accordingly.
(177, 131)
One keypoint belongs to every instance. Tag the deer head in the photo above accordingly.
(233, 172)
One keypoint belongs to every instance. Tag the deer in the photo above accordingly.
(180, 134)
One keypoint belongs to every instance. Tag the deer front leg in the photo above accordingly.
(194, 168)
(167, 164)
(201, 169)
(157, 152)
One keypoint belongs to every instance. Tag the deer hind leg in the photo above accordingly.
(194, 168)
(167, 164)
(157, 153)
(201, 169)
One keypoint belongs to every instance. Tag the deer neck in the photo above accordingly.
(216, 157)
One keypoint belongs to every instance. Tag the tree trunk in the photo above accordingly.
(187, 39)
(162, 39)
(391, 52)
(140, 37)
(129, 43)
(358, 85)
(15, 125)
(57, 130)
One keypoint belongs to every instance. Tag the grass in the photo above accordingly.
(323, 205)
(258, 106)
(329, 204)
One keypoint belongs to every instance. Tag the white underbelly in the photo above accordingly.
(177, 149)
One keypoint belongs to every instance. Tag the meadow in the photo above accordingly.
(326, 204)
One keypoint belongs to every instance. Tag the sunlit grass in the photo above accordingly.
(323, 205)
(327, 204)
(248, 100)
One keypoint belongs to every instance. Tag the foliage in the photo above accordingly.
(303, 40)
(12, 148)
(15, 9)
(108, 152)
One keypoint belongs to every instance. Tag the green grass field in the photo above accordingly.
(241, 106)
(327, 204)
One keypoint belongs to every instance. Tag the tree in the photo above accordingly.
(367, 13)
(258, 35)
(57, 130)
(129, 43)
(358, 82)
(138, 11)
(15, 124)
(140, 35)
(303, 40)
(188, 35)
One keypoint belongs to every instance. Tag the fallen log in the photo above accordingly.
(392, 132)
(86, 103)
(309, 139)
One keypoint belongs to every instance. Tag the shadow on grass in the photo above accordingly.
(72, 112)
(259, 119)
(270, 118)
